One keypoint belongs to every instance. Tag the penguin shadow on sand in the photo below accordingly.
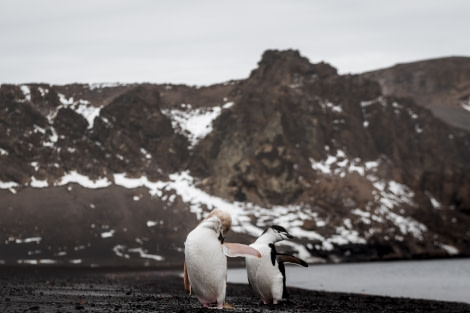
(205, 253)
(267, 275)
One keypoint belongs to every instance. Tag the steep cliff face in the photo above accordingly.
(354, 170)
(291, 111)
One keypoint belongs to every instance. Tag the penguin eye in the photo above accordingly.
(279, 229)
(281, 232)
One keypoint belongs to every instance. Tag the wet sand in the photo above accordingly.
(118, 290)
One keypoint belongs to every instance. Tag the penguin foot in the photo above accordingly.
(218, 306)
(283, 303)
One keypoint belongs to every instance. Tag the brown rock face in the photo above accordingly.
(278, 122)
(290, 110)
(133, 123)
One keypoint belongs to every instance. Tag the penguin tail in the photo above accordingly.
(187, 284)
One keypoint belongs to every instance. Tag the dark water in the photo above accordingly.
(447, 280)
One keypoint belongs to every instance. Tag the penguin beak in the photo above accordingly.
(221, 238)
(289, 236)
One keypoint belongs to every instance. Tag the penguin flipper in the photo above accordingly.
(287, 258)
(238, 249)
(273, 253)
(187, 284)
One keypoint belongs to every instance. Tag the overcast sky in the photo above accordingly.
(204, 42)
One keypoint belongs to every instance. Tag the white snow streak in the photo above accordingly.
(26, 92)
(82, 107)
(74, 177)
(451, 250)
(466, 104)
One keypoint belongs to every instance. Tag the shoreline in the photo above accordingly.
(440, 280)
(142, 290)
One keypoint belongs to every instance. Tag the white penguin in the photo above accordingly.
(205, 267)
(267, 276)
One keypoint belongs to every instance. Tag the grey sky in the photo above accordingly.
(205, 42)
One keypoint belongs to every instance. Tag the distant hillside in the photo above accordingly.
(441, 85)
(357, 168)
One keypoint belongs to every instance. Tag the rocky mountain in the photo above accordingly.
(357, 167)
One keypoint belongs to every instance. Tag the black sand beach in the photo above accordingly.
(117, 290)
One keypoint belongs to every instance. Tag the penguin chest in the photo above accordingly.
(265, 278)
(206, 264)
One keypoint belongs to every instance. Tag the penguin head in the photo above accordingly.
(275, 233)
(220, 221)
(224, 217)
(213, 223)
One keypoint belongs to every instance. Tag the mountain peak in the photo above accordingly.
(285, 66)
(270, 56)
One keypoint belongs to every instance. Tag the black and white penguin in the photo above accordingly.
(205, 266)
(267, 276)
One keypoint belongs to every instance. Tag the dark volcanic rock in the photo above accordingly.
(132, 122)
(70, 124)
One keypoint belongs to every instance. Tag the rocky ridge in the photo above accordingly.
(441, 85)
(355, 170)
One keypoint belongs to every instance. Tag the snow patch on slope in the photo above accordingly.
(466, 104)
(194, 123)
(82, 107)
(398, 109)
(390, 195)
(74, 177)
(26, 92)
